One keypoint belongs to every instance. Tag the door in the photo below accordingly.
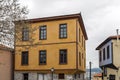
(40, 77)
(45, 77)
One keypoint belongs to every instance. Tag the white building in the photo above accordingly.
(109, 58)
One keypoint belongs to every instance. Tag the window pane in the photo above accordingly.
(108, 52)
(63, 56)
(25, 76)
(42, 57)
(61, 76)
(25, 34)
(104, 54)
(25, 58)
(43, 32)
(63, 31)
(100, 56)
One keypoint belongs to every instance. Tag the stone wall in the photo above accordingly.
(35, 76)
(19, 76)
(32, 76)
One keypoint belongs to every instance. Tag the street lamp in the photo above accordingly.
(52, 70)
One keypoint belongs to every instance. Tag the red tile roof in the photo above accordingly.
(98, 75)
(3, 47)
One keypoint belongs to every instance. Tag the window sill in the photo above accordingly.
(24, 64)
(63, 63)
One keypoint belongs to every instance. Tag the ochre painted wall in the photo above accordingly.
(53, 32)
(81, 48)
(52, 45)
(52, 57)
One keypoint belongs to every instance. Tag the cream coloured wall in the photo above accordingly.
(116, 53)
(97, 78)
(112, 72)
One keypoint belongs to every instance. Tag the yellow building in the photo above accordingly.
(58, 49)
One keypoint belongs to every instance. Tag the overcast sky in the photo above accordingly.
(101, 18)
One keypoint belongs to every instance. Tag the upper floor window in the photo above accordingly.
(42, 57)
(108, 52)
(100, 56)
(82, 55)
(24, 58)
(25, 34)
(42, 33)
(79, 35)
(63, 31)
(63, 56)
(104, 54)
(82, 41)
(84, 45)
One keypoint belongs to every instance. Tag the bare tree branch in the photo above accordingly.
(10, 11)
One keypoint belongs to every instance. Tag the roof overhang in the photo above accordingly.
(107, 40)
(63, 17)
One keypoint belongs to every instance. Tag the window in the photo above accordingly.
(105, 71)
(108, 52)
(82, 55)
(25, 34)
(100, 56)
(75, 76)
(104, 54)
(78, 75)
(79, 34)
(63, 56)
(82, 41)
(24, 58)
(25, 76)
(80, 58)
(43, 33)
(63, 31)
(84, 63)
(42, 57)
(84, 45)
(61, 76)
(112, 77)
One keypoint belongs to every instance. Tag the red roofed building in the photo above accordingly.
(97, 76)
(6, 63)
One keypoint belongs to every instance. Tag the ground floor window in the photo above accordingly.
(75, 76)
(25, 76)
(111, 77)
(61, 76)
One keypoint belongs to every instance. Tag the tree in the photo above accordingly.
(10, 12)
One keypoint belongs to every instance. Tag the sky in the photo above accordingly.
(101, 18)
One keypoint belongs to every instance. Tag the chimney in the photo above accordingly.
(117, 30)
